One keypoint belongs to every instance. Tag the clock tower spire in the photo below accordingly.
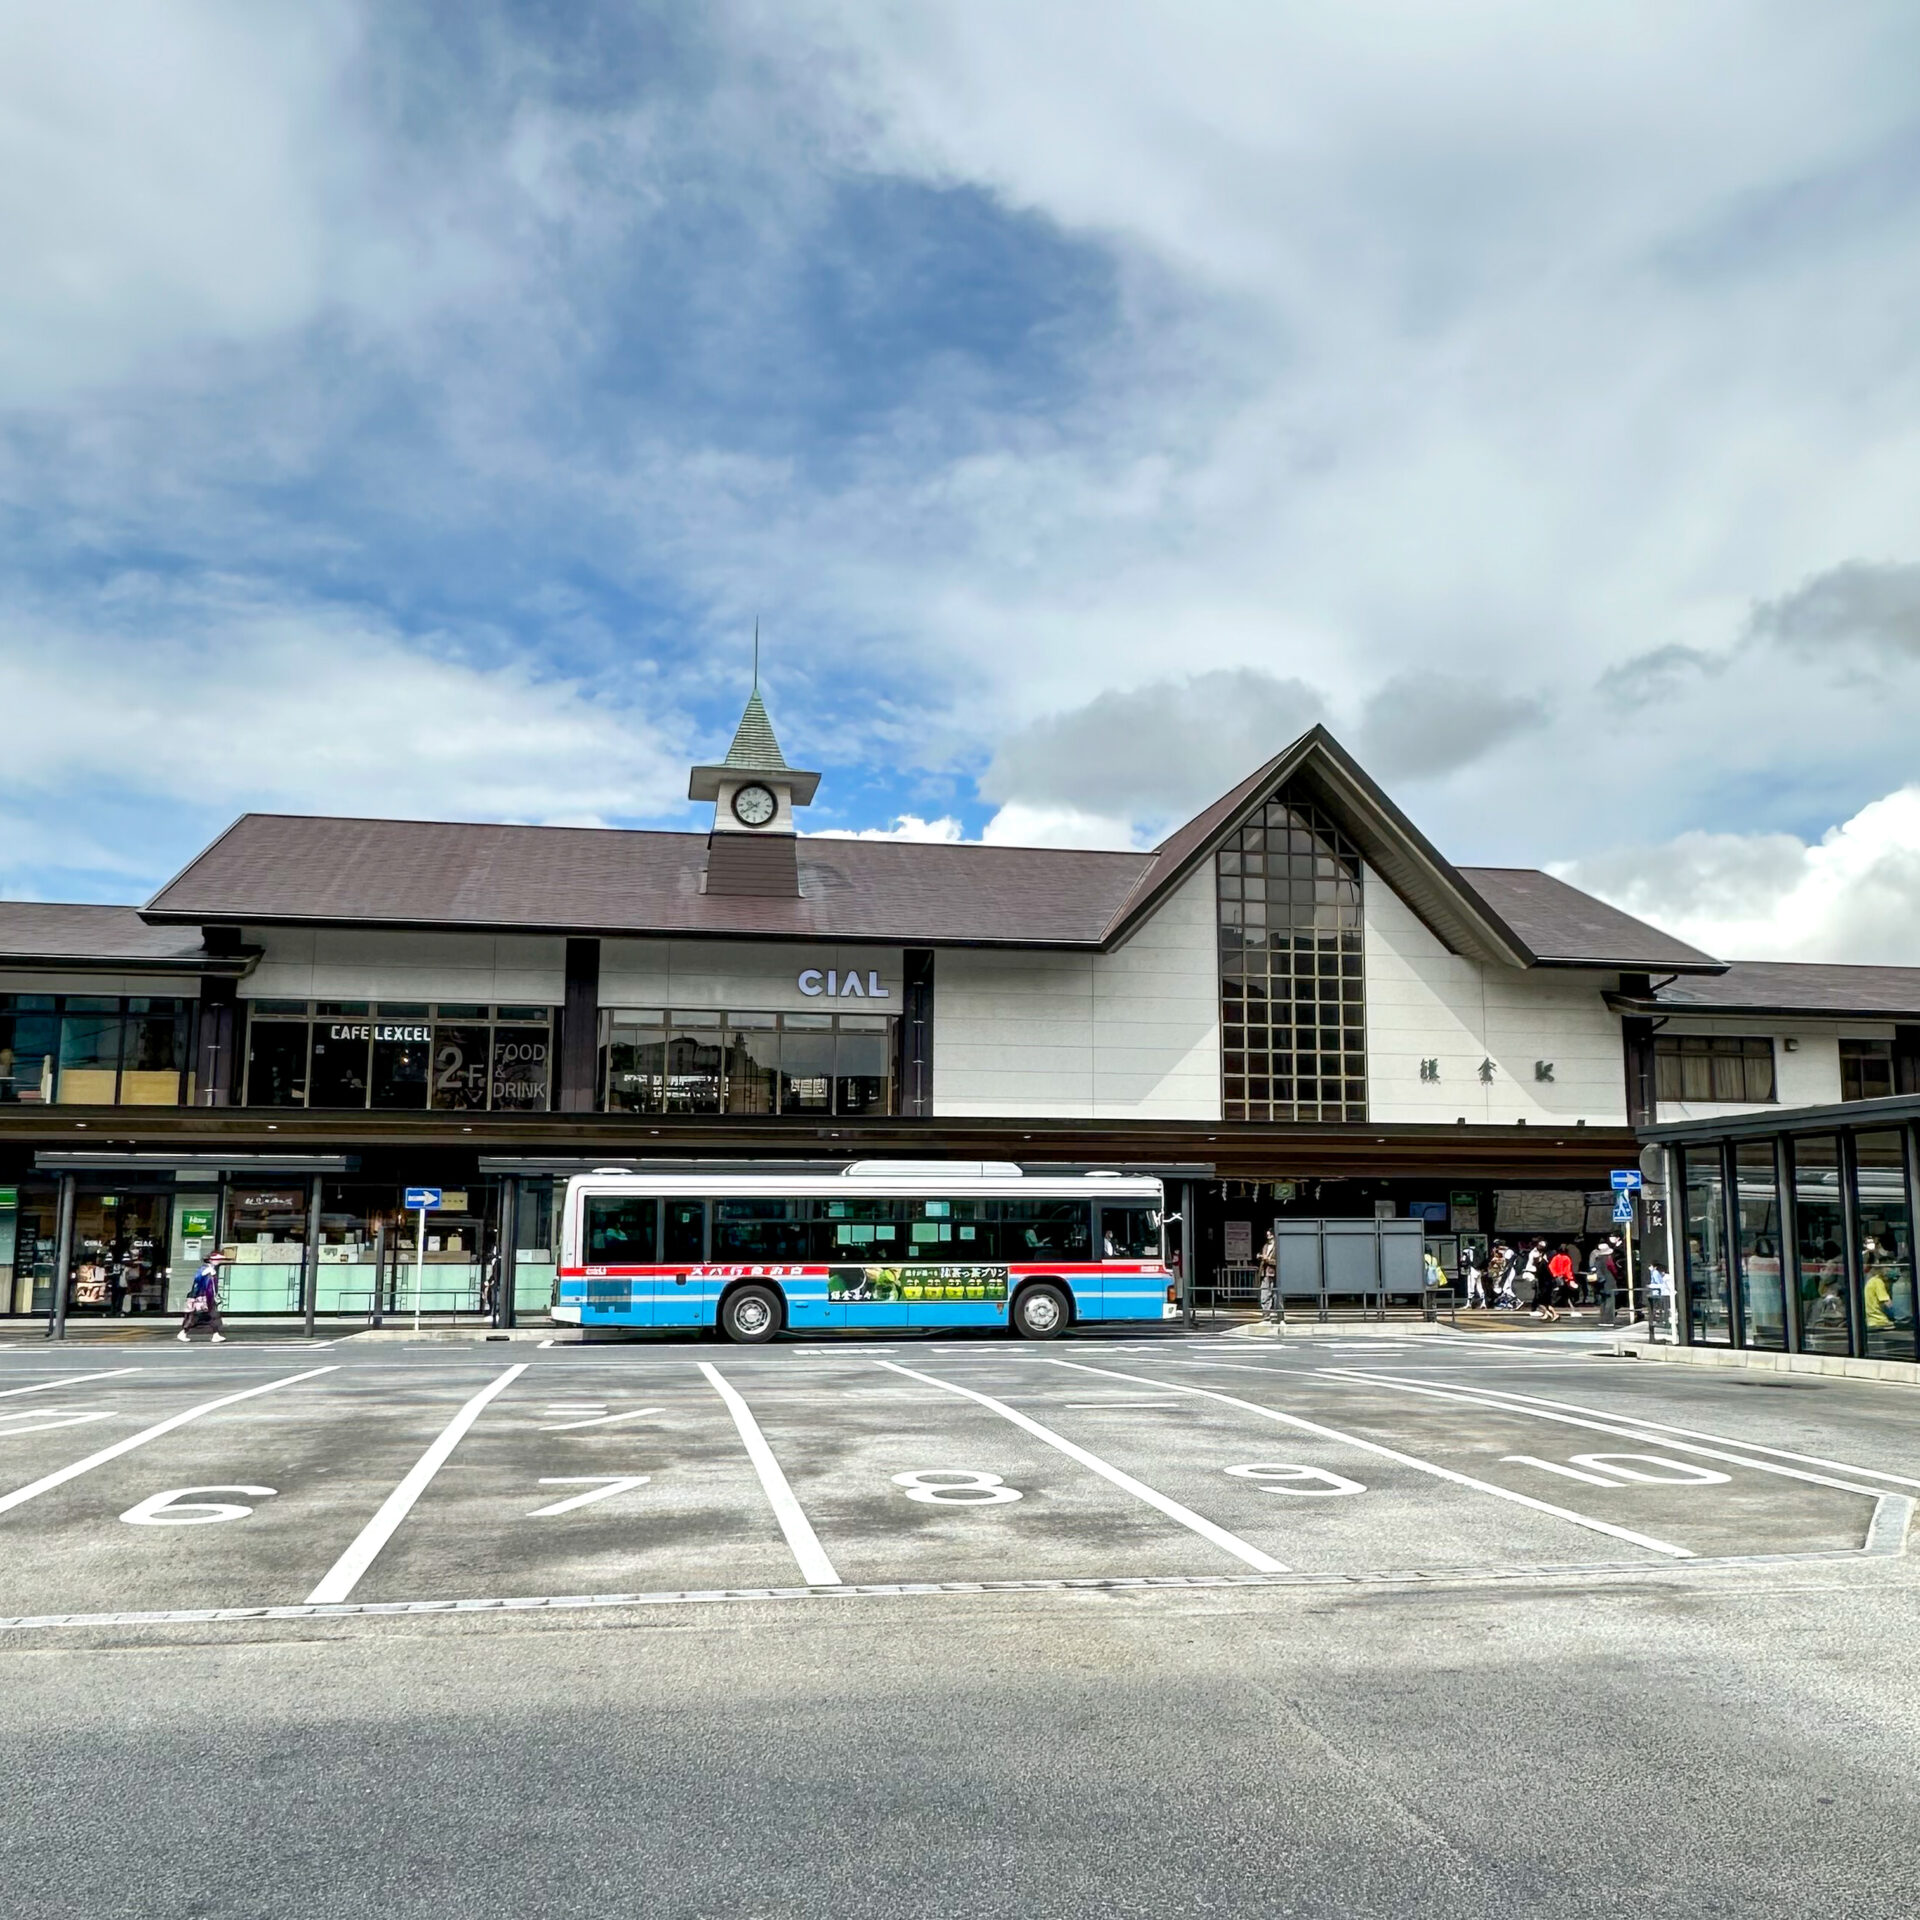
(751, 848)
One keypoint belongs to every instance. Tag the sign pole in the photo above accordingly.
(1630, 1312)
(419, 1264)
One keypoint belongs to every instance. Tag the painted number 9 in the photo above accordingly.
(956, 1487)
(1279, 1476)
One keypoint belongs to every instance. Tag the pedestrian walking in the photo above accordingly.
(1501, 1275)
(1533, 1275)
(1269, 1266)
(1559, 1283)
(203, 1301)
(1472, 1276)
(1606, 1282)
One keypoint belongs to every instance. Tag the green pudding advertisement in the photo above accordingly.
(854, 1284)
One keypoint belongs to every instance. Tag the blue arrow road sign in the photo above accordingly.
(422, 1199)
(1625, 1179)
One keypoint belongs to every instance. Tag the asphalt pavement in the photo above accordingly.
(1335, 1625)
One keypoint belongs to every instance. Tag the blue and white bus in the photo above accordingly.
(884, 1244)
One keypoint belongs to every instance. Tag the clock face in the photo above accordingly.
(754, 806)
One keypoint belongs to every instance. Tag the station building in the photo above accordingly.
(1295, 1005)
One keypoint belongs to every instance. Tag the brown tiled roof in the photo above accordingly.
(1801, 987)
(282, 868)
(56, 936)
(1565, 927)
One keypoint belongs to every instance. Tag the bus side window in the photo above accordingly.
(1044, 1229)
(620, 1230)
(686, 1235)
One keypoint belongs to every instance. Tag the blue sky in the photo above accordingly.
(409, 409)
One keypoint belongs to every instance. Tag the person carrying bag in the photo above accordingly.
(203, 1301)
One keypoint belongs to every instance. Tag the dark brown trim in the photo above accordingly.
(577, 1090)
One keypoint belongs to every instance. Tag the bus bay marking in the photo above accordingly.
(174, 1509)
(1605, 1470)
(598, 1417)
(956, 1487)
(1272, 1476)
(603, 1487)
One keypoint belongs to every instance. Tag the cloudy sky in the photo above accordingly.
(408, 409)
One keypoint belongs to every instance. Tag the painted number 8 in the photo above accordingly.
(956, 1487)
(1277, 1476)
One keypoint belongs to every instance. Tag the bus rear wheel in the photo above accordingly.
(750, 1316)
(1041, 1313)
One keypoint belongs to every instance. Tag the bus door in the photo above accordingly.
(681, 1300)
(1129, 1234)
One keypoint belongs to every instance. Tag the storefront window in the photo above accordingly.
(1820, 1260)
(120, 1245)
(29, 1043)
(748, 1063)
(1886, 1244)
(1763, 1300)
(455, 1058)
(1292, 994)
(89, 1052)
(1709, 1302)
(157, 1038)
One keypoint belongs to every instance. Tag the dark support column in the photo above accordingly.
(310, 1265)
(1736, 1265)
(216, 1067)
(1636, 1040)
(503, 1286)
(62, 1258)
(580, 1029)
(916, 1034)
(1189, 1250)
(1906, 1059)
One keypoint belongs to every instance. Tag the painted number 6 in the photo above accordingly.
(956, 1487)
(174, 1509)
(1279, 1476)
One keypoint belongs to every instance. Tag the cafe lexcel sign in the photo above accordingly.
(832, 983)
(380, 1030)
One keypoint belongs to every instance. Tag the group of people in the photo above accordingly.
(1546, 1282)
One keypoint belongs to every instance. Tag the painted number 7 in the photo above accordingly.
(1280, 1476)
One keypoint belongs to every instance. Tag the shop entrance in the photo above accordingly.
(120, 1253)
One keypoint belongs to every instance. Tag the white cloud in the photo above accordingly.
(215, 696)
(1018, 824)
(908, 826)
(1851, 895)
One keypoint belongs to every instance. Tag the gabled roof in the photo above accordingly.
(1567, 928)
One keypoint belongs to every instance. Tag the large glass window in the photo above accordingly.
(659, 1061)
(1709, 1300)
(762, 1232)
(1707, 1067)
(1292, 971)
(1053, 1229)
(1129, 1233)
(1886, 1244)
(29, 1046)
(89, 1052)
(1820, 1258)
(1866, 1069)
(455, 1058)
(1763, 1300)
(156, 1039)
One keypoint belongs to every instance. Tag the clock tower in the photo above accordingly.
(752, 848)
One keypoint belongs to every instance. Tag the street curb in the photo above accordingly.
(1895, 1373)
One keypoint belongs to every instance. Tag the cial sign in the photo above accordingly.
(834, 984)
(423, 1199)
(1625, 1179)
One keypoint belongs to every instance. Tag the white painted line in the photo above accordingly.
(815, 1568)
(21, 1495)
(600, 1420)
(1405, 1459)
(1206, 1529)
(1117, 1406)
(1691, 1433)
(345, 1573)
(604, 1486)
(543, 1343)
(67, 1380)
(1492, 1400)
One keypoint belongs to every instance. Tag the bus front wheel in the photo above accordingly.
(1041, 1313)
(750, 1316)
